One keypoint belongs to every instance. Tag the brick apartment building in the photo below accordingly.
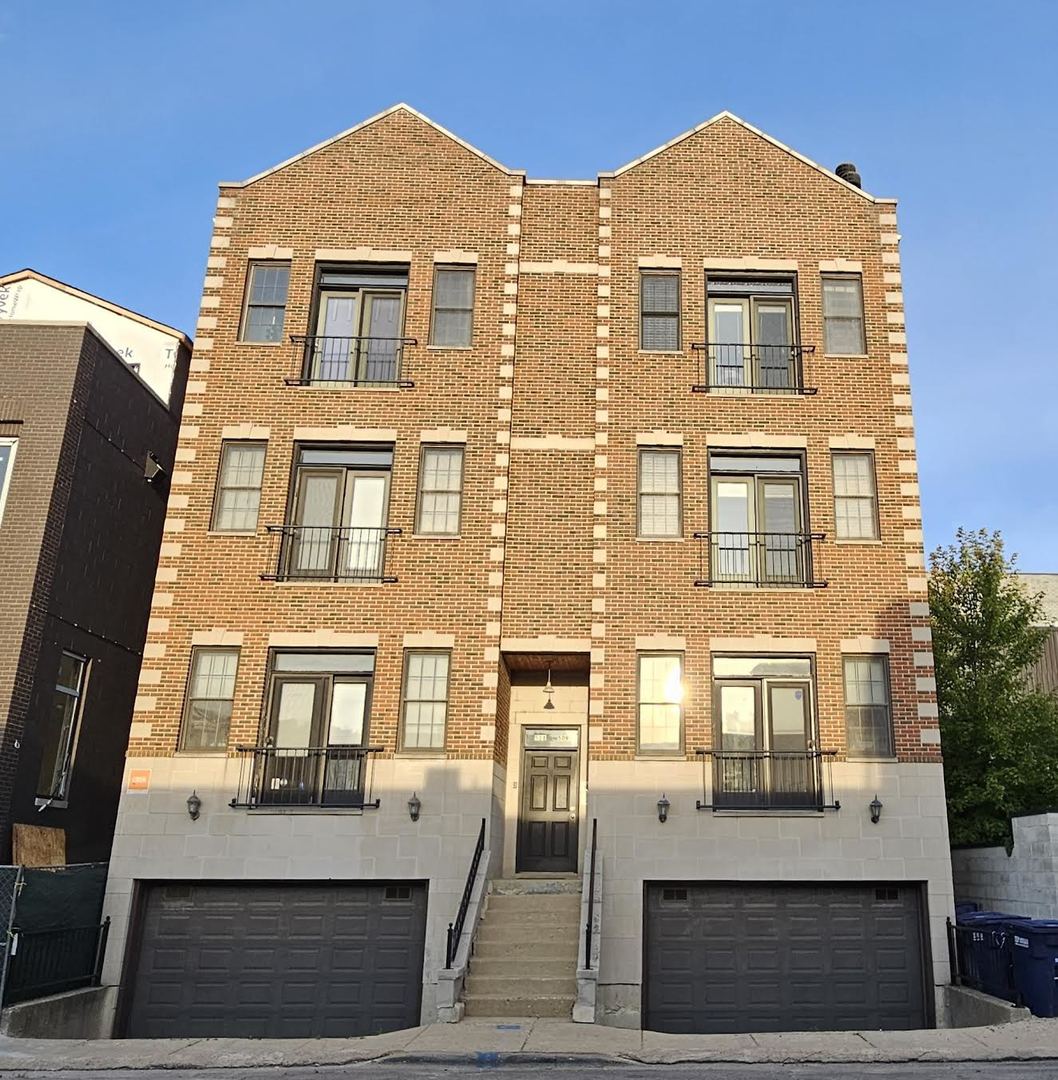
(90, 400)
(541, 503)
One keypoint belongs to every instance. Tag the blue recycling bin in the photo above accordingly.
(1034, 949)
(986, 956)
(965, 907)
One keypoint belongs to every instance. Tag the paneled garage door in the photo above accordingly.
(770, 957)
(286, 961)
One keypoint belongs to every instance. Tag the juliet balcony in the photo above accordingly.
(757, 560)
(748, 368)
(764, 780)
(344, 363)
(328, 554)
(305, 776)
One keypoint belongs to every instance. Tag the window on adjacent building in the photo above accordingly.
(843, 316)
(660, 702)
(751, 334)
(210, 692)
(659, 493)
(453, 306)
(868, 720)
(855, 498)
(7, 461)
(440, 490)
(341, 505)
(266, 302)
(239, 486)
(659, 311)
(756, 523)
(359, 325)
(60, 729)
(424, 707)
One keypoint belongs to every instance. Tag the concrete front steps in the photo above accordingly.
(525, 952)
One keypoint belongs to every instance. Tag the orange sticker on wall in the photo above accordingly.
(139, 779)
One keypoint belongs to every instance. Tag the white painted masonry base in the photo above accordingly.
(156, 840)
(909, 844)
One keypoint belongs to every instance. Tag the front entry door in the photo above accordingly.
(547, 823)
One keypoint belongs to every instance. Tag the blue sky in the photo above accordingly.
(118, 120)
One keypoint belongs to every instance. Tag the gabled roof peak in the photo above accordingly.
(727, 115)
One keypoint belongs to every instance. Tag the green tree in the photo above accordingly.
(1000, 735)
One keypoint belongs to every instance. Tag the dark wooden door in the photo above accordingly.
(547, 824)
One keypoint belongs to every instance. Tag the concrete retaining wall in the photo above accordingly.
(1025, 882)
(79, 1014)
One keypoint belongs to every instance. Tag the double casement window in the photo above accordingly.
(266, 301)
(7, 462)
(210, 692)
(843, 315)
(452, 323)
(440, 491)
(424, 702)
(318, 724)
(359, 325)
(341, 501)
(60, 728)
(868, 717)
(660, 702)
(752, 334)
(764, 738)
(855, 497)
(659, 310)
(757, 534)
(238, 497)
(659, 493)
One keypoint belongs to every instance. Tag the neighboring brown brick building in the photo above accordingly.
(79, 533)
(513, 495)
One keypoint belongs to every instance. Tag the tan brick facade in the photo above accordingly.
(555, 399)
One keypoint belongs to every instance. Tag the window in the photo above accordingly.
(855, 500)
(764, 732)
(425, 704)
(453, 307)
(318, 724)
(868, 725)
(60, 729)
(660, 702)
(659, 309)
(210, 692)
(266, 302)
(757, 520)
(751, 334)
(659, 493)
(341, 504)
(7, 462)
(843, 316)
(359, 325)
(440, 490)
(239, 487)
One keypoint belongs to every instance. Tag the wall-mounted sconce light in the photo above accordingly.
(663, 809)
(194, 806)
(414, 807)
(875, 807)
(153, 472)
(549, 690)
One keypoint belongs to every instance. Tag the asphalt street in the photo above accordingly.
(398, 1070)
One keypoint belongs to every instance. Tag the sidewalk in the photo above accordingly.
(489, 1041)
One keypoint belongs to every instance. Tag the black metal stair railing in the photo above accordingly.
(455, 929)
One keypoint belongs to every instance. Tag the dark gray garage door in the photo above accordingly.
(286, 961)
(768, 957)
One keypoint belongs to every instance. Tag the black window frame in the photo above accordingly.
(645, 313)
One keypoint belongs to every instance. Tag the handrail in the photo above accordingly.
(348, 361)
(455, 930)
(773, 780)
(752, 367)
(591, 895)
(758, 559)
(329, 553)
(305, 776)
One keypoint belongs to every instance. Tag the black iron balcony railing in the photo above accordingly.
(761, 559)
(768, 779)
(757, 369)
(325, 553)
(344, 362)
(313, 776)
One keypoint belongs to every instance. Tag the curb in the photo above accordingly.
(493, 1059)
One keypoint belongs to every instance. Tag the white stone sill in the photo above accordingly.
(230, 532)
